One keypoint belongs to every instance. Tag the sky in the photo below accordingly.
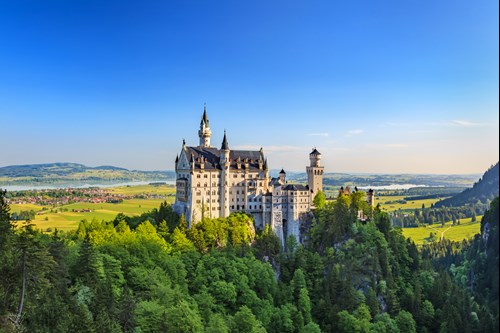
(376, 86)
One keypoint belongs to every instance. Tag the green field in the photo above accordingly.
(62, 217)
(389, 203)
(466, 229)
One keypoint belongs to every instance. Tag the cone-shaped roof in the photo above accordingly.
(225, 145)
(204, 118)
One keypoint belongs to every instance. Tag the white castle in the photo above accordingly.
(213, 182)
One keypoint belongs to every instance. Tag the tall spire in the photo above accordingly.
(204, 118)
(204, 133)
(225, 145)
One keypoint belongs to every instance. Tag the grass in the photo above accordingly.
(466, 229)
(389, 203)
(62, 217)
(162, 189)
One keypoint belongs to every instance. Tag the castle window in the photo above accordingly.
(232, 206)
(243, 207)
(198, 201)
(234, 176)
(198, 176)
(237, 192)
(205, 184)
(260, 206)
(205, 176)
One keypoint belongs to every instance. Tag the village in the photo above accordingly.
(60, 197)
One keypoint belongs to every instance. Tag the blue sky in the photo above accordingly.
(376, 86)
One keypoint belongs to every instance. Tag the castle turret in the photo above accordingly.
(370, 198)
(282, 177)
(224, 162)
(204, 133)
(315, 173)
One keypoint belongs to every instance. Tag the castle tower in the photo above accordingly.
(224, 162)
(282, 177)
(315, 173)
(370, 198)
(204, 133)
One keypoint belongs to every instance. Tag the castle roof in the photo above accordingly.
(225, 145)
(315, 152)
(282, 171)
(204, 118)
(295, 187)
(210, 157)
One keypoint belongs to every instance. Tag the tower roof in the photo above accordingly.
(225, 145)
(315, 152)
(204, 118)
(282, 171)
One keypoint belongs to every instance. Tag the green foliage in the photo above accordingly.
(319, 200)
(245, 321)
(405, 322)
(153, 275)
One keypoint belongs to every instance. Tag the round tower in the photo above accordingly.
(282, 177)
(224, 162)
(205, 133)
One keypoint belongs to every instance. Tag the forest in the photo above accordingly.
(151, 273)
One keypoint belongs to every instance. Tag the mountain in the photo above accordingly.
(75, 174)
(484, 189)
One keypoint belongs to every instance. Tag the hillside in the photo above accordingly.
(343, 179)
(73, 173)
(484, 189)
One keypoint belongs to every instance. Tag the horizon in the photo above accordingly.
(271, 170)
(399, 88)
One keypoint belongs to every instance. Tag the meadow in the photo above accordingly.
(64, 218)
(390, 203)
(465, 230)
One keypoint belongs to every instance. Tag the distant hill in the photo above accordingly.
(74, 174)
(485, 189)
(344, 179)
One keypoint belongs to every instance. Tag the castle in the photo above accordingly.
(213, 182)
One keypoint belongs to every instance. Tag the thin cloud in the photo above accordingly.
(397, 124)
(466, 123)
(271, 148)
(318, 134)
(354, 132)
(458, 123)
(388, 145)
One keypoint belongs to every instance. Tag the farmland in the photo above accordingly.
(67, 216)
(466, 229)
(391, 203)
